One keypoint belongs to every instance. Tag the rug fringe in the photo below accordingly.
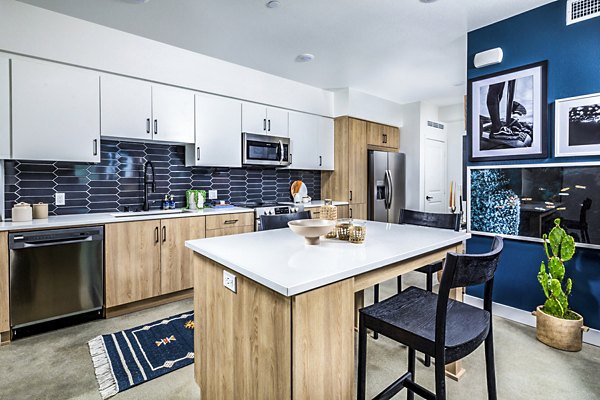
(107, 382)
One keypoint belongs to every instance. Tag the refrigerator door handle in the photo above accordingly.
(386, 182)
(391, 190)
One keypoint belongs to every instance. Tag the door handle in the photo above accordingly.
(147, 125)
(428, 198)
(198, 153)
(156, 240)
(156, 127)
(164, 233)
(95, 146)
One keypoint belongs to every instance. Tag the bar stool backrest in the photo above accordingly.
(432, 220)
(268, 222)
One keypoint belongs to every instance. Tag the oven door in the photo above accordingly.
(265, 150)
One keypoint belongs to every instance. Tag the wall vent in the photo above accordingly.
(437, 125)
(580, 10)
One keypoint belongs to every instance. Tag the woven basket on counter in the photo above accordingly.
(343, 228)
(329, 212)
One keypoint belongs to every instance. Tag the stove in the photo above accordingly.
(267, 208)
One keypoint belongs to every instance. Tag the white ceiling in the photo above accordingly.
(401, 50)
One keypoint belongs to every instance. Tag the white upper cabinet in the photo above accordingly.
(125, 107)
(4, 108)
(138, 110)
(311, 142)
(326, 144)
(173, 114)
(55, 112)
(218, 133)
(261, 119)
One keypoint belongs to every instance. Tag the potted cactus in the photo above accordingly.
(557, 325)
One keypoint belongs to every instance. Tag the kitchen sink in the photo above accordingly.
(151, 212)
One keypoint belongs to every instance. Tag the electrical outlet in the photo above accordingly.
(229, 281)
(59, 199)
(212, 194)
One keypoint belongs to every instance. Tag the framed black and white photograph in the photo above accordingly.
(577, 126)
(508, 114)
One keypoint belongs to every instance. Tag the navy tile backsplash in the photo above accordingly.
(117, 180)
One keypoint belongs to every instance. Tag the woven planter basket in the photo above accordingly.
(562, 334)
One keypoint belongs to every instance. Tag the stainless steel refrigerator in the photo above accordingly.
(386, 186)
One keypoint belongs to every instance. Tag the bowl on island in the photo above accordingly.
(311, 229)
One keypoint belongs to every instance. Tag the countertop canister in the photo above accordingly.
(40, 211)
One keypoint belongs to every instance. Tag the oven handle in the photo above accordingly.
(26, 245)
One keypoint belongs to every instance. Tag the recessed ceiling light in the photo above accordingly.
(137, 1)
(273, 4)
(306, 57)
(427, 1)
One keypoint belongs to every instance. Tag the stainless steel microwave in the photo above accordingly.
(265, 150)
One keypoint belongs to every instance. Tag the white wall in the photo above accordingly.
(33, 31)
(454, 119)
(410, 144)
(361, 105)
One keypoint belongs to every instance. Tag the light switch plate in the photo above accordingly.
(212, 194)
(229, 281)
(59, 199)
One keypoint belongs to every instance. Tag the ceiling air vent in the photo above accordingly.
(437, 125)
(580, 10)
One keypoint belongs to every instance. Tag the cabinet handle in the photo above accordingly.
(320, 161)
(156, 235)
(95, 145)
(198, 153)
(350, 212)
(350, 196)
(291, 158)
(264, 124)
(156, 127)
(230, 221)
(384, 138)
(164, 233)
(147, 125)
(269, 125)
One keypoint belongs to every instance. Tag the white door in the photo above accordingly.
(326, 143)
(125, 108)
(304, 137)
(277, 122)
(218, 133)
(4, 108)
(435, 176)
(173, 114)
(254, 118)
(55, 112)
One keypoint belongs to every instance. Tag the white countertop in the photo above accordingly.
(62, 221)
(313, 204)
(279, 259)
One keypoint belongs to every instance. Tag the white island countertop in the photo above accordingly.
(279, 259)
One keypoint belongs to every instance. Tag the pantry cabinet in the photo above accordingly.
(55, 112)
(265, 120)
(218, 133)
(312, 141)
(136, 109)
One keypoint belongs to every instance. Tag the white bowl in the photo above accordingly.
(311, 229)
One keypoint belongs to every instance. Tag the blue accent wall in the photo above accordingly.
(573, 54)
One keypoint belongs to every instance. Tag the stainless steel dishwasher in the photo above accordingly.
(55, 274)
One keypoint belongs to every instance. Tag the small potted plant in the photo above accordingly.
(557, 325)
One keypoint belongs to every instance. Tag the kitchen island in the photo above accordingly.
(287, 332)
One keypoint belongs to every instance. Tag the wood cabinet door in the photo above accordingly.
(55, 112)
(357, 161)
(229, 231)
(4, 283)
(132, 254)
(218, 133)
(173, 113)
(392, 137)
(343, 212)
(126, 107)
(375, 134)
(357, 211)
(175, 259)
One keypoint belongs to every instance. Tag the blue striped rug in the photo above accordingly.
(133, 356)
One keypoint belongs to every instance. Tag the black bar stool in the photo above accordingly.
(432, 220)
(268, 222)
(442, 328)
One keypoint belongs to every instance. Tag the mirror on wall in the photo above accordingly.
(525, 200)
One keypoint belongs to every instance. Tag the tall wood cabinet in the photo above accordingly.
(146, 259)
(348, 182)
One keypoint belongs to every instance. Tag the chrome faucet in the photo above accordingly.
(148, 165)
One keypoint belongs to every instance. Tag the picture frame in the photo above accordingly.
(577, 126)
(497, 131)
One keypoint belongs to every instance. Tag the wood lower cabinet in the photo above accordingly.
(357, 211)
(229, 224)
(175, 260)
(132, 261)
(145, 259)
(342, 212)
(4, 293)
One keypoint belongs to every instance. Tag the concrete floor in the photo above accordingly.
(57, 365)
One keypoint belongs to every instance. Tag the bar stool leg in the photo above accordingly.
(489, 365)
(427, 362)
(410, 395)
(440, 380)
(376, 300)
(362, 360)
